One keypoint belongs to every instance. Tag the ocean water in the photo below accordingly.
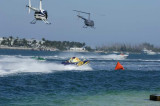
(25, 81)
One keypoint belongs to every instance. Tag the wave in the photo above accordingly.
(13, 65)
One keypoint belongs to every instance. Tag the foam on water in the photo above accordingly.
(24, 64)
(91, 56)
(13, 65)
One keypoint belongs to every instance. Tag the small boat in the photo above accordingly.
(148, 52)
(75, 61)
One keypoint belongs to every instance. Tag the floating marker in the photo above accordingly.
(119, 66)
(155, 97)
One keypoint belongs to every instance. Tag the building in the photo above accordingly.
(76, 49)
(1, 39)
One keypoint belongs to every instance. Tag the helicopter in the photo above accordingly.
(39, 14)
(87, 22)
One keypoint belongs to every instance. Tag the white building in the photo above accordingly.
(1, 39)
(76, 49)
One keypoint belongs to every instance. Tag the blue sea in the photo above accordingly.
(25, 81)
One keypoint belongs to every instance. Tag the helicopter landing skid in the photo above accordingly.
(46, 22)
(34, 21)
(89, 26)
(85, 26)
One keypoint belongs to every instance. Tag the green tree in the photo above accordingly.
(24, 42)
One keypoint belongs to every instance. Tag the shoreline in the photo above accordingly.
(16, 48)
(36, 49)
(54, 49)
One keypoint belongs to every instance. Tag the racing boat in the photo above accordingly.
(75, 61)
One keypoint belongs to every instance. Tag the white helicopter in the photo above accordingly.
(39, 14)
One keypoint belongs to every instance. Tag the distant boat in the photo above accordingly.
(124, 55)
(114, 56)
(115, 52)
(39, 58)
(148, 52)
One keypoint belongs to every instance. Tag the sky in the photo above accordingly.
(116, 21)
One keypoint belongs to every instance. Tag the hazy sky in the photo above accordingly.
(122, 21)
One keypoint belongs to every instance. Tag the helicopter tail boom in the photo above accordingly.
(81, 17)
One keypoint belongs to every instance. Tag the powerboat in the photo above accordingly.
(75, 61)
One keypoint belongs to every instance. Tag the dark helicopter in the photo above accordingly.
(39, 14)
(87, 22)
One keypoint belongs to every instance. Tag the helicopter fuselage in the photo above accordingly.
(89, 23)
(41, 15)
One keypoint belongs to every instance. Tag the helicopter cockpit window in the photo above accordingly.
(45, 12)
(37, 12)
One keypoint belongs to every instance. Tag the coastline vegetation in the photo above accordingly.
(43, 44)
(128, 48)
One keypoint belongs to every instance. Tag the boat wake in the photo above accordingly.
(14, 65)
(90, 57)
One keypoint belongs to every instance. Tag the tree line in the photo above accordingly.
(61, 45)
(66, 45)
(128, 47)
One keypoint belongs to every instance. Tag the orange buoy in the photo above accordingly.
(119, 66)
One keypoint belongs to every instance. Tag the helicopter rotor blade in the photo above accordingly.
(40, 5)
(81, 12)
(29, 10)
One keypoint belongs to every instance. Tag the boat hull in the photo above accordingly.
(77, 64)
